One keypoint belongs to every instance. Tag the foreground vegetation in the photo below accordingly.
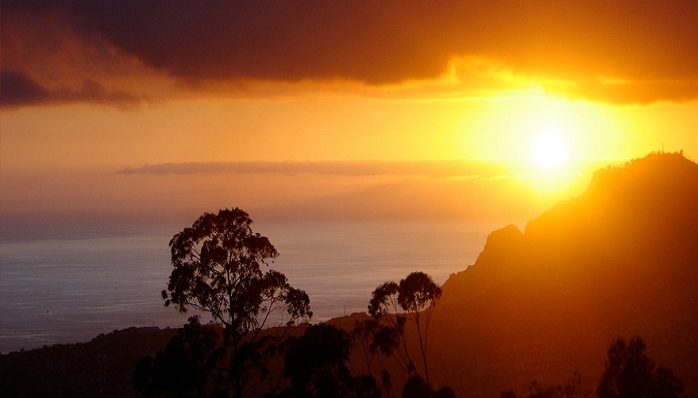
(218, 268)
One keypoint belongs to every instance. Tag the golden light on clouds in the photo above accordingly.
(100, 86)
(131, 53)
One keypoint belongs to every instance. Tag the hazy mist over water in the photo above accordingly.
(71, 290)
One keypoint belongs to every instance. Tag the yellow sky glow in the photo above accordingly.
(552, 86)
(49, 148)
(336, 128)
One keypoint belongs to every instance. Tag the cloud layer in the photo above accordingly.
(610, 51)
(431, 190)
(451, 168)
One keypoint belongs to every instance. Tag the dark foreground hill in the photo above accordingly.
(102, 367)
(619, 260)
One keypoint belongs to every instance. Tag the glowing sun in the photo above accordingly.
(549, 150)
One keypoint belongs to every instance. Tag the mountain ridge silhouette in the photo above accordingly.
(621, 259)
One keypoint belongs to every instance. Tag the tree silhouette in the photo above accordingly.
(187, 366)
(217, 269)
(416, 296)
(572, 389)
(630, 373)
(413, 298)
(316, 364)
(416, 387)
(375, 342)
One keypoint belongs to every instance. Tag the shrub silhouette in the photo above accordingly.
(316, 365)
(571, 389)
(183, 369)
(630, 373)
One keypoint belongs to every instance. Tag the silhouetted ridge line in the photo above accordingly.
(621, 259)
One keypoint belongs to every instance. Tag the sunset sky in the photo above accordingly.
(335, 108)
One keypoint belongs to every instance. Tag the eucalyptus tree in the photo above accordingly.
(217, 269)
(374, 342)
(413, 298)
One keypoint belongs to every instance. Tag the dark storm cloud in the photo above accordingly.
(644, 45)
(18, 90)
(278, 40)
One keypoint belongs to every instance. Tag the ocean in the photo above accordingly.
(72, 289)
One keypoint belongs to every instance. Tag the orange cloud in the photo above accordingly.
(125, 46)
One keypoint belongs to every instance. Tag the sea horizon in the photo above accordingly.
(62, 290)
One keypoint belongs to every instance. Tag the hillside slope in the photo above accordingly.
(102, 367)
(619, 260)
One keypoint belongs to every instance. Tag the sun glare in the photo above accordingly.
(549, 150)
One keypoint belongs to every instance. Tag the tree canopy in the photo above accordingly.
(413, 298)
(217, 268)
(316, 365)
